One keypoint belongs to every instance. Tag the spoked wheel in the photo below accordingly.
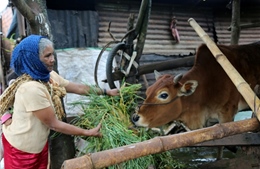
(116, 53)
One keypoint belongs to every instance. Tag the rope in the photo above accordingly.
(56, 92)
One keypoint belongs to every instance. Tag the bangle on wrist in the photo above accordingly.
(105, 91)
(5, 117)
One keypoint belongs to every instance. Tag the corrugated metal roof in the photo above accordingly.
(159, 39)
(73, 28)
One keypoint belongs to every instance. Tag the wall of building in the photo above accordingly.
(159, 39)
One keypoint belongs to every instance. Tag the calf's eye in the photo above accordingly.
(163, 96)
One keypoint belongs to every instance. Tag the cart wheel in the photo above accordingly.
(98, 59)
(115, 53)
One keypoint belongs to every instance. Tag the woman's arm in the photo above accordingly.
(47, 116)
(82, 89)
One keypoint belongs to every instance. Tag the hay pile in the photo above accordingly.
(114, 114)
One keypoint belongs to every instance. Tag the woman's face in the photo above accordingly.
(47, 57)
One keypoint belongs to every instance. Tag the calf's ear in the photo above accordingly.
(157, 74)
(188, 88)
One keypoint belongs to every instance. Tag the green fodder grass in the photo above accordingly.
(114, 114)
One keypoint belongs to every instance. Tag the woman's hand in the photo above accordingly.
(113, 92)
(6, 118)
(8, 122)
(95, 132)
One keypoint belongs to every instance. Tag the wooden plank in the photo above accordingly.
(244, 139)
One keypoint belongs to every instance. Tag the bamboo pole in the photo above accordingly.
(241, 85)
(159, 144)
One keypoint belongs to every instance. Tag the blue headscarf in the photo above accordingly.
(26, 59)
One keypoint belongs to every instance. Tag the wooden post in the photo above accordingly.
(235, 22)
(118, 155)
(2, 75)
(241, 85)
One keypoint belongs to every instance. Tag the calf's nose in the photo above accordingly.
(135, 117)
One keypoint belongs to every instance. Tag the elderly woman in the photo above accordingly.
(35, 98)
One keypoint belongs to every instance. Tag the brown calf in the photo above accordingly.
(205, 92)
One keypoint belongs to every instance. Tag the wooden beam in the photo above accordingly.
(166, 65)
(159, 66)
(246, 26)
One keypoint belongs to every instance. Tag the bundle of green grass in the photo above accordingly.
(114, 114)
